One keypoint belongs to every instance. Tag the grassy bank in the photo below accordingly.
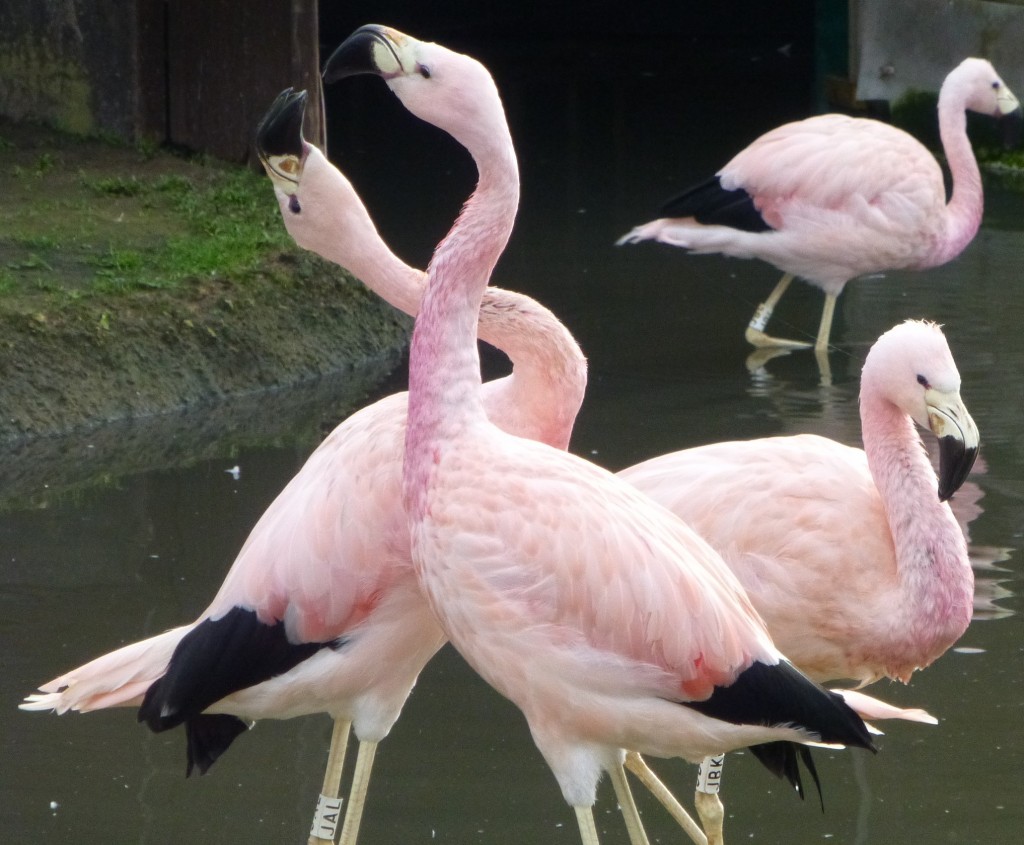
(135, 281)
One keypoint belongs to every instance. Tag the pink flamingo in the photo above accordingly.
(853, 557)
(320, 611)
(323, 213)
(832, 197)
(604, 618)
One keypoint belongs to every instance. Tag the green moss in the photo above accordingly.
(60, 88)
(157, 222)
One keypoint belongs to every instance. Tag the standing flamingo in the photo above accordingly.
(833, 197)
(323, 213)
(320, 611)
(853, 557)
(604, 618)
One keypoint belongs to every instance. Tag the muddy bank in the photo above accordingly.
(153, 352)
(134, 283)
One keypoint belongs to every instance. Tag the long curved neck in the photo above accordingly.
(963, 213)
(344, 233)
(543, 395)
(541, 399)
(931, 554)
(444, 365)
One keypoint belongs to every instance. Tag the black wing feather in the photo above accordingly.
(712, 205)
(782, 695)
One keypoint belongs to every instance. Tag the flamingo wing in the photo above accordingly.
(619, 580)
(838, 164)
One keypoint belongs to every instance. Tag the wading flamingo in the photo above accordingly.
(323, 213)
(852, 557)
(320, 611)
(832, 197)
(605, 619)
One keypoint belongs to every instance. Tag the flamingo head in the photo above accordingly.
(319, 206)
(981, 89)
(912, 367)
(280, 145)
(452, 91)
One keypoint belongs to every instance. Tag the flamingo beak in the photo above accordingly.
(370, 49)
(279, 141)
(1011, 124)
(1008, 111)
(958, 437)
(1006, 101)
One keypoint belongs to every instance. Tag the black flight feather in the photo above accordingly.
(712, 205)
(213, 660)
(782, 695)
(209, 735)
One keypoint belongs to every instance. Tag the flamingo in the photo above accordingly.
(320, 611)
(833, 197)
(323, 213)
(853, 557)
(349, 477)
(604, 618)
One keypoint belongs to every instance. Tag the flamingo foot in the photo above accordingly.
(759, 357)
(756, 337)
(712, 815)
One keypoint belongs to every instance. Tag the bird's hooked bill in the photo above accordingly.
(958, 437)
(1011, 125)
(370, 49)
(279, 142)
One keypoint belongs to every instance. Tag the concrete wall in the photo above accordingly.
(901, 45)
(194, 73)
(69, 63)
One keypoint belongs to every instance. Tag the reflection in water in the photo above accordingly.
(84, 573)
(39, 470)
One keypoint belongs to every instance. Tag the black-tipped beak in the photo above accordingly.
(370, 49)
(280, 132)
(956, 459)
(1010, 128)
(950, 422)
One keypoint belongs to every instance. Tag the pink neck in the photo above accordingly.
(345, 234)
(936, 584)
(963, 213)
(541, 399)
(444, 365)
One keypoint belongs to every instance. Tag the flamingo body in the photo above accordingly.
(605, 619)
(857, 567)
(320, 611)
(831, 198)
(331, 221)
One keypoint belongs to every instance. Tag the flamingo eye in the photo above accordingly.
(995, 86)
(293, 204)
(424, 71)
(921, 380)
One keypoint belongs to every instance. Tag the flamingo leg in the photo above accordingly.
(824, 367)
(357, 795)
(328, 805)
(636, 764)
(755, 330)
(627, 806)
(825, 327)
(588, 830)
(709, 805)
